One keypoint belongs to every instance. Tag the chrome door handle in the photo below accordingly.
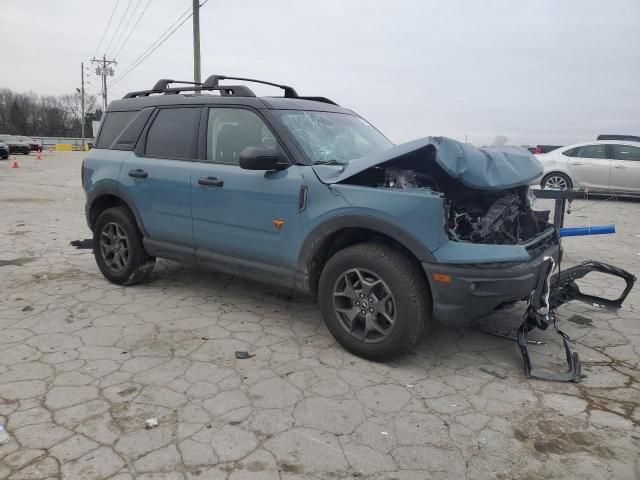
(575, 163)
(619, 166)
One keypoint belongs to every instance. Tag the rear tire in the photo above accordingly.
(556, 181)
(118, 249)
(399, 293)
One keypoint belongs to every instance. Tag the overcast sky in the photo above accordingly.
(544, 71)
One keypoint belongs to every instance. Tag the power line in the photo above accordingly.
(149, 50)
(126, 26)
(107, 27)
(156, 44)
(118, 27)
(133, 29)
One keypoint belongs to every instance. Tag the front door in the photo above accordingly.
(157, 178)
(625, 168)
(246, 214)
(590, 166)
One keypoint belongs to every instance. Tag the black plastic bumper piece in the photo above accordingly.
(476, 291)
(554, 290)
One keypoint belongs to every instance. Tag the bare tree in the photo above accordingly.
(35, 115)
(499, 141)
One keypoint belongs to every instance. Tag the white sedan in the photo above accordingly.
(605, 165)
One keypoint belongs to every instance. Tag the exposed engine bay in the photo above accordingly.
(472, 215)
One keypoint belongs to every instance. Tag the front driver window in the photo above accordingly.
(626, 152)
(230, 130)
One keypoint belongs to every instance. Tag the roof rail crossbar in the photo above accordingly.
(162, 86)
(213, 82)
(163, 83)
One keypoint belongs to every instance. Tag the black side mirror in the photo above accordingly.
(262, 158)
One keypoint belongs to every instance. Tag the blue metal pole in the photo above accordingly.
(592, 230)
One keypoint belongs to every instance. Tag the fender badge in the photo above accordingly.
(278, 223)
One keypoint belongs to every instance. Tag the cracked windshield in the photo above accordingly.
(333, 138)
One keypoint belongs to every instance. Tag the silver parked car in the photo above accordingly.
(605, 165)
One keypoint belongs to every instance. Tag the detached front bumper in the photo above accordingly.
(473, 291)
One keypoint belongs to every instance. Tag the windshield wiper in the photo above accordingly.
(329, 162)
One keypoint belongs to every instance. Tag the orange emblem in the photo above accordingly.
(278, 223)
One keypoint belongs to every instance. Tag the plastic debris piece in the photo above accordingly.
(384, 433)
(86, 244)
(4, 436)
(491, 372)
(151, 423)
(240, 355)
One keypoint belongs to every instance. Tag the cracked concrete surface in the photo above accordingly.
(83, 363)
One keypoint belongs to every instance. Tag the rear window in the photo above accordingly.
(173, 133)
(112, 126)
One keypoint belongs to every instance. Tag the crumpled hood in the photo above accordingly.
(489, 168)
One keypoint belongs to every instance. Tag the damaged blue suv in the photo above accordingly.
(300, 192)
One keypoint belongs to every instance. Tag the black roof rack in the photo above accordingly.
(162, 87)
(213, 83)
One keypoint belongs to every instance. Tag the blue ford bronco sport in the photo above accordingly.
(300, 192)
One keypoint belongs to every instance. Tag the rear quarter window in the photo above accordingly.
(112, 126)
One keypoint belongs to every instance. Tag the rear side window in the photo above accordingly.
(588, 151)
(129, 137)
(112, 126)
(173, 133)
(626, 152)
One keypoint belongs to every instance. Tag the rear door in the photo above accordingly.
(239, 213)
(625, 168)
(590, 167)
(156, 176)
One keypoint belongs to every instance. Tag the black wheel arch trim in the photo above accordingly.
(315, 239)
(110, 187)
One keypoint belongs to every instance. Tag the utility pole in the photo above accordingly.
(82, 102)
(196, 42)
(104, 70)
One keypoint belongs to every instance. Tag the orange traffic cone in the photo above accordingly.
(38, 155)
(14, 163)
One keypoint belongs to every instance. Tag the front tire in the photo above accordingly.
(556, 181)
(118, 249)
(374, 301)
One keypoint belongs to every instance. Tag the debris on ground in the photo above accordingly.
(4, 436)
(86, 244)
(151, 423)
(28, 308)
(493, 373)
(241, 355)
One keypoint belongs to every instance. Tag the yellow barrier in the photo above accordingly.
(63, 147)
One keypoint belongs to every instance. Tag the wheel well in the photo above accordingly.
(102, 203)
(344, 238)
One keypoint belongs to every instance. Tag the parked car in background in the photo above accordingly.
(543, 148)
(604, 165)
(34, 145)
(628, 138)
(15, 145)
(4, 151)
